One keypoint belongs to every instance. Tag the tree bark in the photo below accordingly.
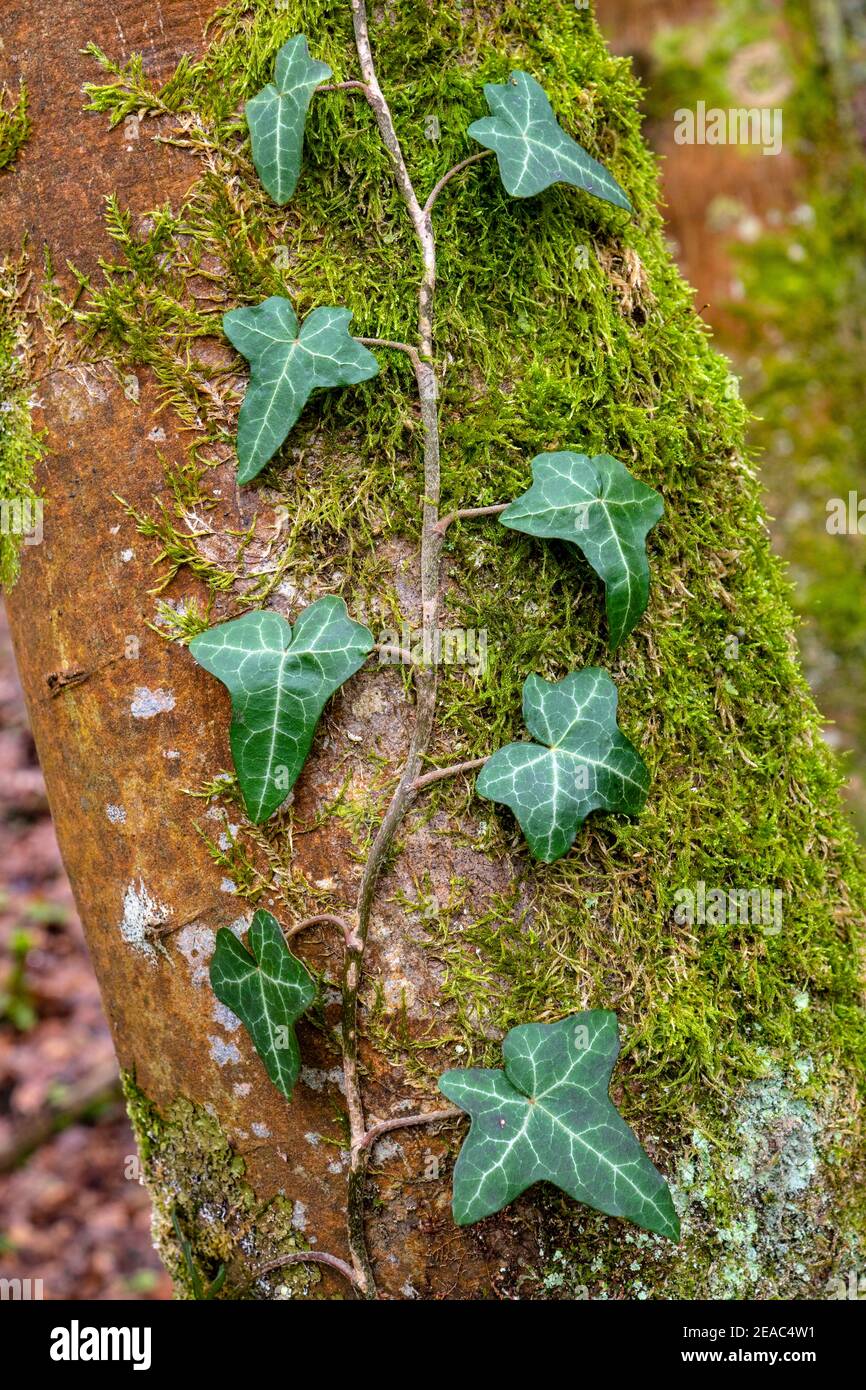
(127, 726)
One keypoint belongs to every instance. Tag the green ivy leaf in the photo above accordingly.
(585, 765)
(277, 114)
(280, 679)
(597, 505)
(268, 990)
(547, 1116)
(286, 366)
(532, 148)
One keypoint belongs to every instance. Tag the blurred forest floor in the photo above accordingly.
(774, 246)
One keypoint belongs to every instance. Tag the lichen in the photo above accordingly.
(548, 345)
(197, 1185)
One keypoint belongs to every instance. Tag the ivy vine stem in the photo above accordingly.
(321, 919)
(446, 178)
(404, 1121)
(367, 1141)
(440, 772)
(317, 1257)
(425, 677)
(467, 513)
(392, 343)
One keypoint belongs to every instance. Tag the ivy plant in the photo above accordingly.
(276, 117)
(287, 364)
(596, 505)
(547, 1116)
(532, 148)
(581, 762)
(280, 679)
(268, 990)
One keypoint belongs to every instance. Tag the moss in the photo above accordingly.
(563, 325)
(199, 1191)
(14, 125)
(20, 446)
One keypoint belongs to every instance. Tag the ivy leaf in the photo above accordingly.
(277, 114)
(532, 148)
(597, 505)
(547, 1116)
(268, 990)
(585, 765)
(280, 679)
(287, 365)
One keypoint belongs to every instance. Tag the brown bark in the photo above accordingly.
(126, 724)
(73, 612)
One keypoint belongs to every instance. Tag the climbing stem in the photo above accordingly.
(321, 919)
(404, 1121)
(466, 515)
(425, 676)
(352, 86)
(440, 772)
(392, 343)
(320, 1257)
(446, 178)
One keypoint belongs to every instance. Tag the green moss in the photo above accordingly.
(14, 125)
(562, 325)
(198, 1188)
(20, 446)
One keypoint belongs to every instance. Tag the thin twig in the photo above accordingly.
(404, 1121)
(468, 512)
(446, 178)
(392, 343)
(317, 1257)
(402, 654)
(454, 771)
(321, 919)
(351, 86)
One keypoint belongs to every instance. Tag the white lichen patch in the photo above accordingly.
(261, 1131)
(223, 1015)
(196, 943)
(386, 1148)
(146, 703)
(141, 915)
(116, 814)
(223, 1052)
(316, 1078)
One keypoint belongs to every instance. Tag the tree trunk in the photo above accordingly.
(556, 324)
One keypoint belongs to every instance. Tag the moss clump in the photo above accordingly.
(20, 447)
(198, 1189)
(14, 125)
(563, 325)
